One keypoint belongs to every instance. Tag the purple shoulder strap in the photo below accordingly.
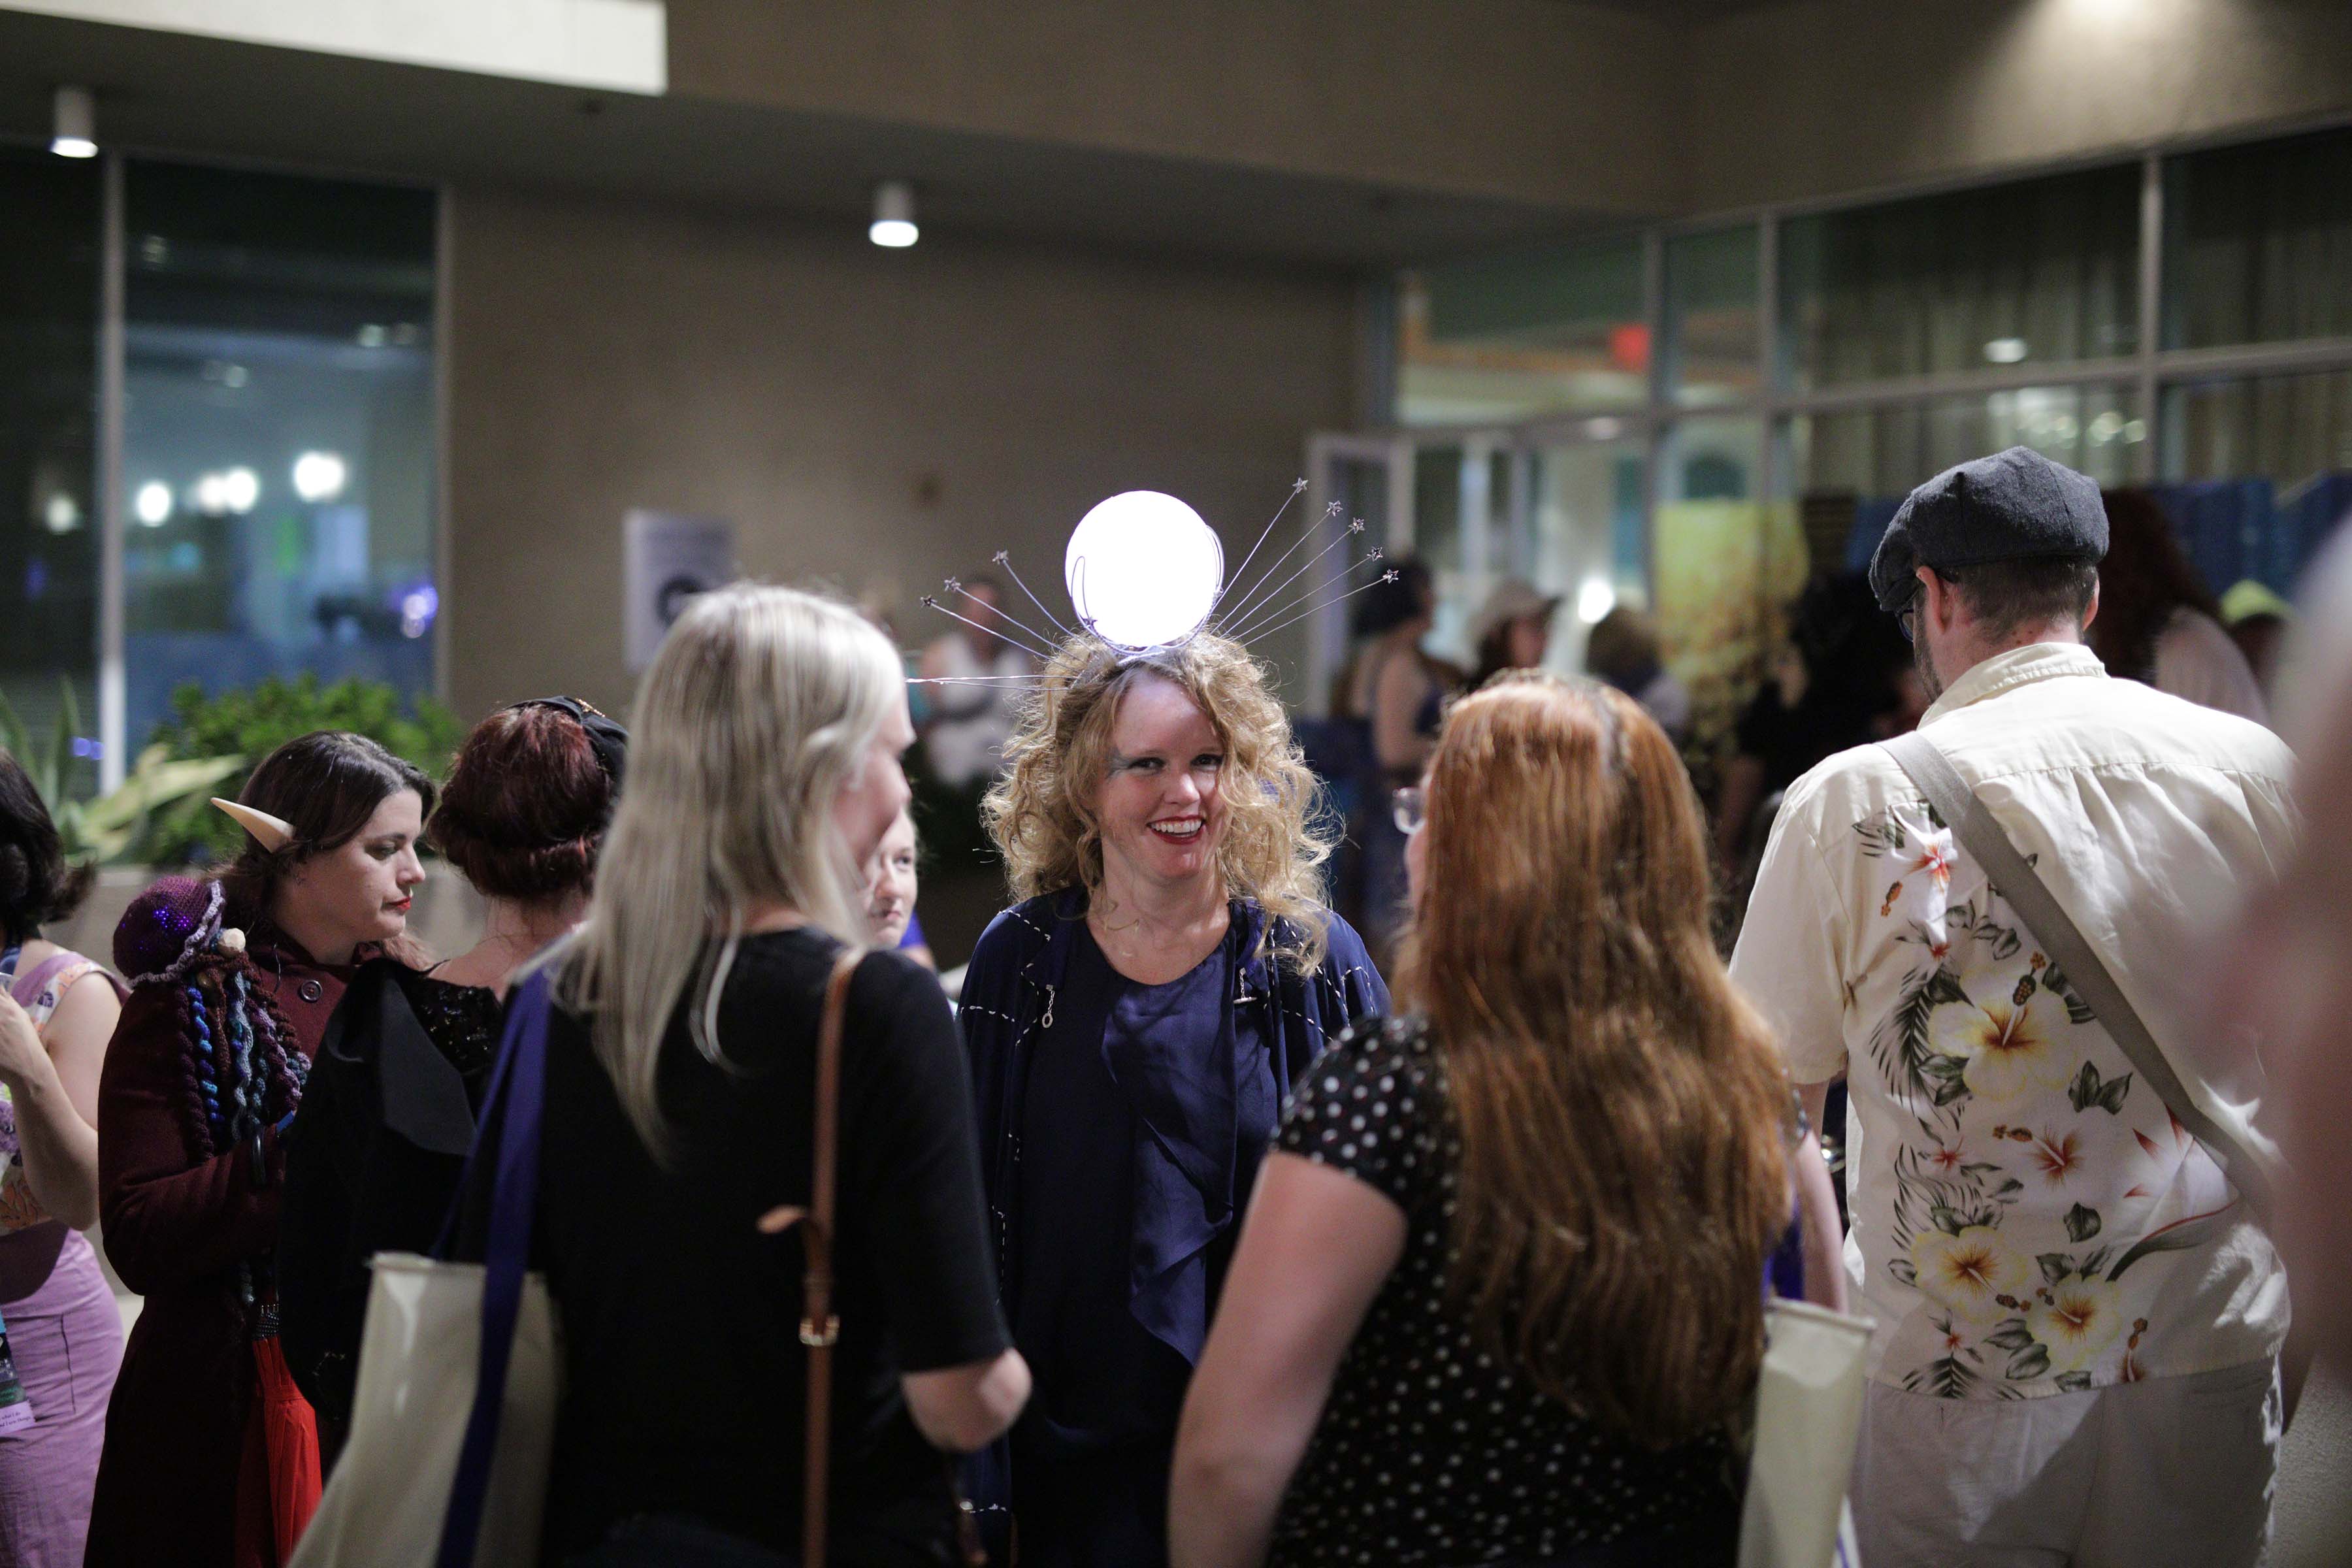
(29, 985)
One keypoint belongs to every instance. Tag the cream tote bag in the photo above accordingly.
(1807, 1421)
(419, 1356)
(453, 1421)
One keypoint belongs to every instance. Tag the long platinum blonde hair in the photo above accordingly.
(756, 711)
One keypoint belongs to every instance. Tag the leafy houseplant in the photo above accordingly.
(109, 828)
(249, 724)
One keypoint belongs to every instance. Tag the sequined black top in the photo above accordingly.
(463, 1023)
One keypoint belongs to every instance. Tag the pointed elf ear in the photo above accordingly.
(272, 834)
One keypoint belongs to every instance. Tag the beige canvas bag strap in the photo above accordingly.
(1972, 823)
(819, 1327)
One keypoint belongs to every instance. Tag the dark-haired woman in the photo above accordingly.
(1397, 693)
(2158, 623)
(233, 982)
(374, 1159)
(64, 1331)
(1501, 1290)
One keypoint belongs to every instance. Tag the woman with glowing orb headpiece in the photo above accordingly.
(1136, 1023)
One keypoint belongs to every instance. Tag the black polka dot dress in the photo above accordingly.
(1429, 1449)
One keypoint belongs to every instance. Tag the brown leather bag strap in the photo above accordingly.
(819, 1326)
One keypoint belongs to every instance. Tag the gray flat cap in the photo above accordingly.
(2009, 507)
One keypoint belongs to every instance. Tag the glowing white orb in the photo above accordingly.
(1143, 569)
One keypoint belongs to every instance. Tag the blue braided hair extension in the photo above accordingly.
(249, 1085)
(196, 1125)
(203, 1050)
(287, 1070)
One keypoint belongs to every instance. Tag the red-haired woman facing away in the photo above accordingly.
(1501, 1291)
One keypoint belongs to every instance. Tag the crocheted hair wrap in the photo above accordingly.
(240, 1068)
(169, 929)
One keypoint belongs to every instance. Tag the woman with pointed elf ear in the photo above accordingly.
(1133, 1028)
(374, 1156)
(235, 980)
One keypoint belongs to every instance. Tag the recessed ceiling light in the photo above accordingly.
(894, 216)
(74, 127)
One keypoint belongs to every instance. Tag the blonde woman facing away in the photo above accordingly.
(1501, 1288)
(1134, 1027)
(763, 771)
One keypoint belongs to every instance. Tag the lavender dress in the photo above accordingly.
(65, 1334)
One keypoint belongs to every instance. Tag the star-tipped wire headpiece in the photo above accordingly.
(1144, 573)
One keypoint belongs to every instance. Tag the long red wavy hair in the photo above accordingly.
(1624, 1119)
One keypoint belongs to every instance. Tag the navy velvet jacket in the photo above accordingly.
(1009, 990)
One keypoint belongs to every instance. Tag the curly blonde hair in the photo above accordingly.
(1041, 812)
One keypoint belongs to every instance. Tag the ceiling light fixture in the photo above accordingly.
(74, 130)
(894, 216)
(319, 476)
(240, 488)
(2005, 350)
(1595, 597)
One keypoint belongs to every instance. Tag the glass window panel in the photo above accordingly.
(1438, 539)
(2258, 243)
(1714, 327)
(1581, 537)
(2259, 472)
(277, 433)
(49, 401)
(2040, 271)
(1724, 559)
(1510, 337)
(1860, 464)
(1358, 484)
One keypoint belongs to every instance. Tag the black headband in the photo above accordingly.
(607, 739)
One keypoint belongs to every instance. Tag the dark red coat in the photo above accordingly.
(176, 1226)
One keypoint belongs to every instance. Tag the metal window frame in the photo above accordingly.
(113, 518)
(2144, 376)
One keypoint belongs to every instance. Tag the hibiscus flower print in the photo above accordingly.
(1969, 1272)
(2078, 1320)
(2056, 1156)
(1923, 885)
(2010, 1049)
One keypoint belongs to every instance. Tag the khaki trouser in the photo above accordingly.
(2140, 1475)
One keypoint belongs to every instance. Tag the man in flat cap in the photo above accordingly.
(2079, 1317)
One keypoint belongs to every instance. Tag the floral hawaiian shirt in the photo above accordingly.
(2028, 1218)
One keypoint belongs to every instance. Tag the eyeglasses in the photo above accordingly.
(1903, 618)
(1410, 807)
